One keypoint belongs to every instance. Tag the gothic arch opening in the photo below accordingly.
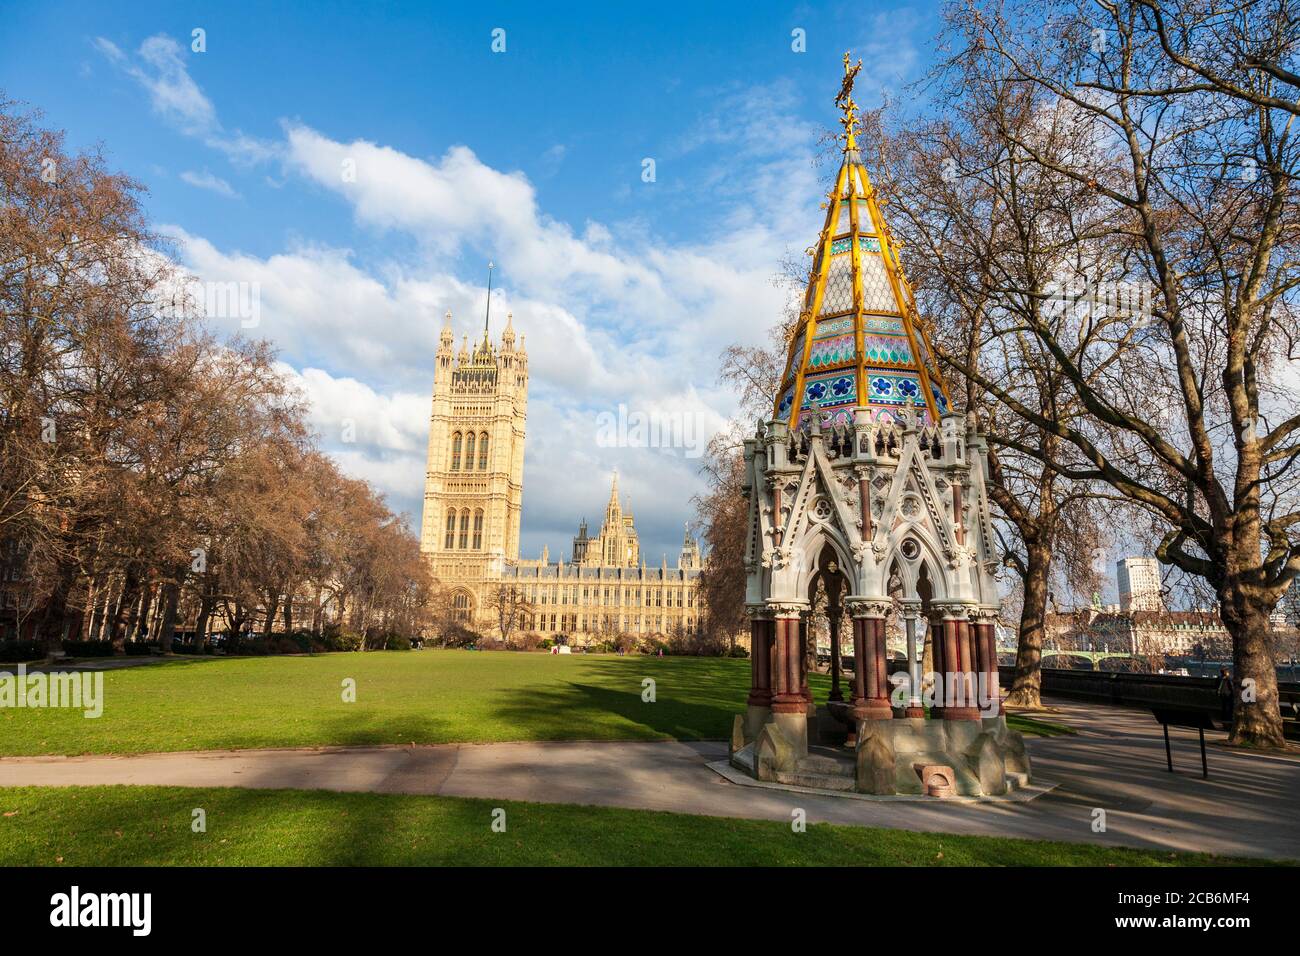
(462, 606)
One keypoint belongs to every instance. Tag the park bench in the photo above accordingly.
(1291, 719)
(1192, 718)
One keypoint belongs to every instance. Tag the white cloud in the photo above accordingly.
(206, 180)
(551, 160)
(173, 93)
(160, 68)
(610, 313)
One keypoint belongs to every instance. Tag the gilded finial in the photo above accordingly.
(844, 100)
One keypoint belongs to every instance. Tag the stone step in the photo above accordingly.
(827, 766)
(1016, 780)
(816, 781)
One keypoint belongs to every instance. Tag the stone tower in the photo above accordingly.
(690, 554)
(473, 488)
(617, 545)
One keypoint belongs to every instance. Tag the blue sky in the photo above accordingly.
(626, 290)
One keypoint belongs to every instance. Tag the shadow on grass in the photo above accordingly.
(687, 700)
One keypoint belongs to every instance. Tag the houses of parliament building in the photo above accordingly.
(473, 499)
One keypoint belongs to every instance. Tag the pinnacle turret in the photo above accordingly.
(859, 342)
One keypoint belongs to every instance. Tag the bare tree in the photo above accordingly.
(510, 608)
(1187, 408)
(990, 239)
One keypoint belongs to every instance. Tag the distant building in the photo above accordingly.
(1290, 604)
(1139, 584)
(473, 500)
(1143, 633)
(607, 588)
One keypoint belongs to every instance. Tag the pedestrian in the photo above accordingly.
(1226, 693)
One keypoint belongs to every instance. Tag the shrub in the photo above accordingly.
(527, 641)
(20, 651)
(88, 648)
(693, 644)
(335, 638)
(624, 642)
(397, 642)
(458, 635)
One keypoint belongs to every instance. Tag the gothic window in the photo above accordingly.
(478, 530)
(450, 541)
(463, 543)
(455, 452)
(482, 451)
(460, 605)
(469, 452)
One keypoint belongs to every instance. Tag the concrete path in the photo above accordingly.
(1116, 763)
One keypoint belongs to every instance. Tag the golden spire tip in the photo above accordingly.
(844, 100)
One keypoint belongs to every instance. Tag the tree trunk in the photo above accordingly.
(131, 605)
(1256, 715)
(167, 624)
(272, 605)
(103, 605)
(53, 625)
(88, 610)
(201, 624)
(141, 629)
(288, 610)
(1027, 683)
(316, 613)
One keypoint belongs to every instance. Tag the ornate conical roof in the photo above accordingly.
(858, 342)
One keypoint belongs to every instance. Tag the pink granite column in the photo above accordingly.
(786, 695)
(760, 657)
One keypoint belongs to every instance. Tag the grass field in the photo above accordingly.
(151, 826)
(423, 697)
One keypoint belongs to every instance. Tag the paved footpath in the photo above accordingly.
(1116, 762)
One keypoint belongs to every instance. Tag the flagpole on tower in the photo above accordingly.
(488, 313)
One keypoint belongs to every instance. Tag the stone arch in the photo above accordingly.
(807, 551)
(463, 605)
(927, 556)
(842, 573)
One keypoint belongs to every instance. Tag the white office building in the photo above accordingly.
(1139, 584)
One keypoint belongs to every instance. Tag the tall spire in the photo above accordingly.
(508, 334)
(858, 341)
(487, 313)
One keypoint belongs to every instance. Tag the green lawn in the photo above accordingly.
(429, 696)
(151, 826)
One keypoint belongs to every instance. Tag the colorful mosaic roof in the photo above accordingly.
(859, 341)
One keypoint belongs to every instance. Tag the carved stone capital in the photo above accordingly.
(869, 607)
(786, 609)
(957, 610)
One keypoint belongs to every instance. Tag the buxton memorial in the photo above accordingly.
(868, 485)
